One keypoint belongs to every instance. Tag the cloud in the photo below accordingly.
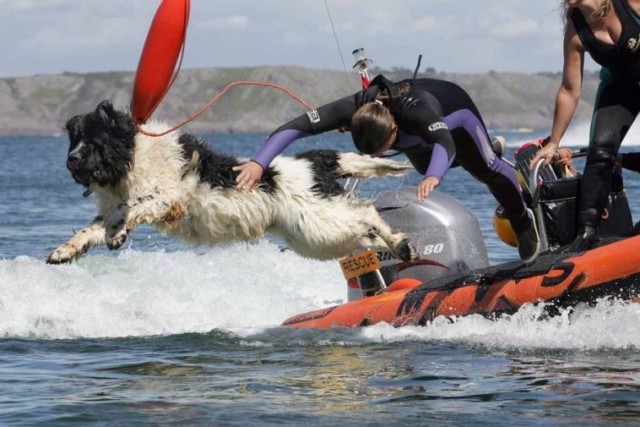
(235, 22)
(49, 36)
(430, 24)
(33, 6)
(114, 32)
(517, 29)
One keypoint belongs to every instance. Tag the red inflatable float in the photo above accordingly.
(157, 67)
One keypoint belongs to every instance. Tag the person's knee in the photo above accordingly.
(603, 153)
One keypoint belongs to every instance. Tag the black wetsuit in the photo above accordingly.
(616, 107)
(438, 124)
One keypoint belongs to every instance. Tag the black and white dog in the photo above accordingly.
(177, 184)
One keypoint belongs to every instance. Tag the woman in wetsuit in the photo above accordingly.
(609, 30)
(433, 122)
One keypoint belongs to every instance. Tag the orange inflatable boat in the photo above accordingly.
(611, 270)
(454, 277)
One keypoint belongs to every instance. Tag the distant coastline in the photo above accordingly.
(40, 105)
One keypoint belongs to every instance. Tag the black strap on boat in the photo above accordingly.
(391, 93)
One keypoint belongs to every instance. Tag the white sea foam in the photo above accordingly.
(577, 135)
(248, 290)
(610, 324)
(150, 293)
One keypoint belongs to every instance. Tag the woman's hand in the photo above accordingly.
(250, 174)
(546, 153)
(426, 186)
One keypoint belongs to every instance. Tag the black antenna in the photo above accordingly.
(415, 73)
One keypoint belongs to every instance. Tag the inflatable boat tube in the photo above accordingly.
(611, 270)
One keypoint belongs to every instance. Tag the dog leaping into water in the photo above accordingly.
(181, 187)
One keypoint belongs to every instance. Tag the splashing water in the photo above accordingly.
(248, 290)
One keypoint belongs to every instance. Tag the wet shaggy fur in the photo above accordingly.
(180, 186)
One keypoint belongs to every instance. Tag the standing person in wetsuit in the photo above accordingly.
(609, 30)
(433, 122)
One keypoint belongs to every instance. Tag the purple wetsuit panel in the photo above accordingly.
(505, 191)
(275, 145)
(468, 121)
(440, 163)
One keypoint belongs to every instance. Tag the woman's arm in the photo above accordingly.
(423, 121)
(331, 116)
(568, 94)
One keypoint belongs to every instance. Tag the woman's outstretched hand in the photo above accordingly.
(426, 186)
(250, 174)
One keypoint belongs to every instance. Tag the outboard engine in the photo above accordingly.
(444, 232)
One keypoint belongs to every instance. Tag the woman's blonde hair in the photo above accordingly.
(371, 127)
(601, 11)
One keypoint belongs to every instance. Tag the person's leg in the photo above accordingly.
(474, 153)
(613, 116)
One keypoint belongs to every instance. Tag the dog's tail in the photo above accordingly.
(362, 166)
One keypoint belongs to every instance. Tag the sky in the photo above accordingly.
(466, 36)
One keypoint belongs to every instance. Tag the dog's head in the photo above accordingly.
(101, 146)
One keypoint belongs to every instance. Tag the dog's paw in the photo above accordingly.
(117, 240)
(406, 251)
(63, 254)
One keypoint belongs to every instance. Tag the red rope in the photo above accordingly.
(217, 98)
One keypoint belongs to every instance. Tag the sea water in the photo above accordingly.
(159, 333)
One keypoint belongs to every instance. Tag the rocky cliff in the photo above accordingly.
(40, 105)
